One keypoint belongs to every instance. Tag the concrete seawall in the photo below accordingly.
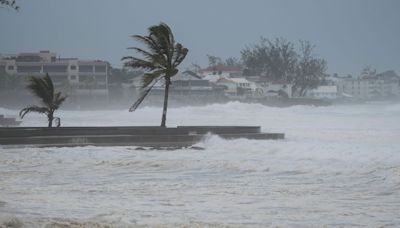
(137, 136)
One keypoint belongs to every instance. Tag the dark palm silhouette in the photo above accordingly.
(43, 88)
(9, 3)
(160, 62)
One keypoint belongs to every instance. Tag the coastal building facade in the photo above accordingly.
(379, 86)
(213, 73)
(72, 74)
(324, 92)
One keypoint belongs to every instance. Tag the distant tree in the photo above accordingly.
(43, 88)
(214, 61)
(273, 60)
(309, 70)
(160, 62)
(279, 61)
(231, 61)
(9, 4)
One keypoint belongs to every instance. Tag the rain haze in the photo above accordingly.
(220, 114)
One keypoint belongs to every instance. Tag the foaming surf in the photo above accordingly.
(338, 166)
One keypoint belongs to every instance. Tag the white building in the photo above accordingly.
(370, 87)
(213, 73)
(85, 76)
(237, 87)
(270, 89)
(324, 92)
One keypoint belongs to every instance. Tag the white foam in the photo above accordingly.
(338, 166)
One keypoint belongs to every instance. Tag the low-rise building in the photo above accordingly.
(324, 92)
(213, 73)
(270, 89)
(237, 87)
(377, 86)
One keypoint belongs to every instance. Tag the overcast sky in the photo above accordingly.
(349, 34)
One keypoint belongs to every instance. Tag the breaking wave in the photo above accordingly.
(338, 166)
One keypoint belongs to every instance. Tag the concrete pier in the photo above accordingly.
(180, 136)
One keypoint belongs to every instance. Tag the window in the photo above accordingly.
(59, 78)
(101, 69)
(55, 68)
(72, 77)
(86, 68)
(2, 69)
(72, 67)
(28, 58)
(10, 67)
(29, 69)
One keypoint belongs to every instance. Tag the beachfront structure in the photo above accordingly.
(78, 76)
(377, 86)
(186, 88)
(237, 87)
(271, 89)
(190, 84)
(213, 73)
(324, 92)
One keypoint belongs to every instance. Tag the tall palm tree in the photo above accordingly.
(160, 62)
(43, 88)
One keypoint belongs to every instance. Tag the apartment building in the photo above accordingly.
(78, 76)
(370, 87)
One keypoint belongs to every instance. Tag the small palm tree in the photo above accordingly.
(43, 88)
(160, 62)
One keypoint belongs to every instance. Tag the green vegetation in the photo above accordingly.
(160, 62)
(43, 88)
(279, 61)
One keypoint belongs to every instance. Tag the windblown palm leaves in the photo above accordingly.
(160, 61)
(43, 88)
(9, 3)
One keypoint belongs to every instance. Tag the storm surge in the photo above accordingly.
(338, 166)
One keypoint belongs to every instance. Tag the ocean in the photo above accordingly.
(339, 166)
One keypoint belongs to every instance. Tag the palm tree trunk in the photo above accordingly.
(50, 118)
(164, 114)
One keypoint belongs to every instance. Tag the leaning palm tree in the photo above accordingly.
(43, 88)
(160, 62)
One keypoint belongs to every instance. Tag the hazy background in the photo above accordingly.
(349, 34)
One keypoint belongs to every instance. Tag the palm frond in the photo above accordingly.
(59, 99)
(138, 63)
(179, 54)
(49, 84)
(142, 95)
(161, 58)
(146, 54)
(149, 42)
(148, 78)
(33, 108)
(42, 88)
(163, 36)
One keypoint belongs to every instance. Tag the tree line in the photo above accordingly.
(279, 61)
